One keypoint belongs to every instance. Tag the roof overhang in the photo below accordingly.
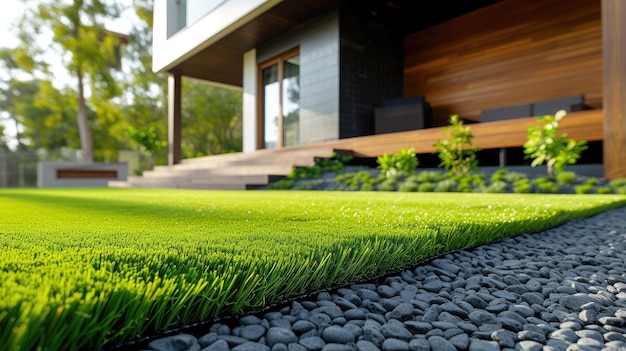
(212, 48)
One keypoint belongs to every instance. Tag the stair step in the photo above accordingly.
(236, 171)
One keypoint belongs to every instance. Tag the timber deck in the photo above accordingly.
(241, 171)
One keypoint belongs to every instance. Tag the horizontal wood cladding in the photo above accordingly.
(580, 125)
(513, 52)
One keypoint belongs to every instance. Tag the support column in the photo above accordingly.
(174, 85)
(614, 102)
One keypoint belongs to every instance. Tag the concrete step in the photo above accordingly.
(237, 171)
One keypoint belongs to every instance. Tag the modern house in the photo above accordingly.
(375, 76)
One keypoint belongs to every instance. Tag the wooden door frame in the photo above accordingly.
(277, 60)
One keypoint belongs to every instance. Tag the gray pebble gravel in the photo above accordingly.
(561, 289)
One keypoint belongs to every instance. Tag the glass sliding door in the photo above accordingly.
(279, 122)
(271, 94)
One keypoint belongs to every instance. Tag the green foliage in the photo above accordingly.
(604, 190)
(545, 145)
(522, 186)
(496, 187)
(547, 185)
(408, 186)
(403, 162)
(498, 175)
(283, 184)
(617, 183)
(426, 187)
(512, 177)
(592, 181)
(583, 189)
(388, 184)
(457, 154)
(565, 177)
(446, 186)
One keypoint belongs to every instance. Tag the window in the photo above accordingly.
(279, 99)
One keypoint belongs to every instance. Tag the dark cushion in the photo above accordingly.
(504, 113)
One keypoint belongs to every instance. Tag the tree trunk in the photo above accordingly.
(84, 130)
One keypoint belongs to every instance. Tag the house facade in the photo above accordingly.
(314, 72)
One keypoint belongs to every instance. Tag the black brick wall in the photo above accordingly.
(370, 58)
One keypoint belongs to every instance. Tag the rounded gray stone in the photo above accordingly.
(483, 345)
(460, 341)
(504, 338)
(219, 345)
(419, 345)
(364, 345)
(249, 320)
(481, 317)
(280, 335)
(528, 345)
(180, 342)
(335, 334)
(303, 326)
(314, 343)
(295, 347)
(440, 344)
(252, 332)
(251, 346)
(393, 344)
(337, 347)
(402, 312)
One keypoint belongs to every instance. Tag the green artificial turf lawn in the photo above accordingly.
(85, 268)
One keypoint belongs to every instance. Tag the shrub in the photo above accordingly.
(430, 177)
(404, 161)
(546, 185)
(283, 184)
(407, 186)
(367, 187)
(604, 190)
(583, 189)
(498, 175)
(592, 181)
(456, 153)
(512, 177)
(426, 188)
(545, 145)
(566, 178)
(496, 187)
(618, 183)
(388, 185)
(445, 186)
(522, 186)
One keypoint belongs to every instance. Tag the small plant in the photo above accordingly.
(546, 185)
(496, 187)
(566, 178)
(604, 190)
(408, 186)
(498, 175)
(426, 188)
(388, 185)
(522, 186)
(457, 154)
(445, 186)
(430, 177)
(403, 162)
(618, 185)
(545, 145)
(283, 184)
(583, 189)
(512, 177)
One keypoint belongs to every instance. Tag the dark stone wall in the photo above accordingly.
(371, 61)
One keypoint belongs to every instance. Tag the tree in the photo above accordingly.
(11, 89)
(211, 119)
(86, 47)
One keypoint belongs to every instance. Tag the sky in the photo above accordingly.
(10, 12)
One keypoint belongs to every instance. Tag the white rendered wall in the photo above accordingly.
(250, 142)
(232, 14)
